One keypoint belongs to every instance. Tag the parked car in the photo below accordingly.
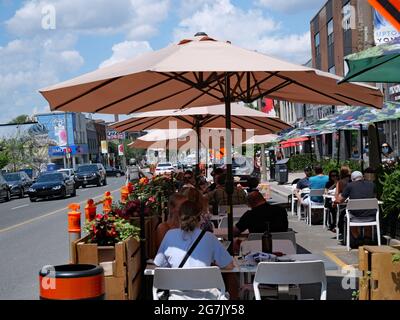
(19, 183)
(50, 185)
(5, 192)
(164, 168)
(69, 172)
(90, 174)
(114, 172)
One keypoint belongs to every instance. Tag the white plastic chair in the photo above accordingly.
(362, 204)
(293, 198)
(290, 235)
(224, 222)
(314, 205)
(303, 193)
(278, 245)
(238, 210)
(290, 273)
(187, 279)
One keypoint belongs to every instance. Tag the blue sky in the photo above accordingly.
(92, 33)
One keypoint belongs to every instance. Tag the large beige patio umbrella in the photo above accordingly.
(242, 118)
(201, 72)
(203, 117)
(160, 139)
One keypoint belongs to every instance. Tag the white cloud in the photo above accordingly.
(291, 6)
(126, 50)
(294, 48)
(28, 65)
(250, 29)
(223, 20)
(99, 17)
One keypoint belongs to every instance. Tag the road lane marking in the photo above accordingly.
(48, 214)
(335, 259)
(24, 205)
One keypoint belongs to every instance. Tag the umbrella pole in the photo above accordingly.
(338, 148)
(228, 161)
(361, 148)
(197, 171)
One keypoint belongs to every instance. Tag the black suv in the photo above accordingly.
(5, 192)
(19, 183)
(90, 174)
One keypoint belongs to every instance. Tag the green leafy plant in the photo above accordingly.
(396, 258)
(107, 229)
(391, 193)
(355, 295)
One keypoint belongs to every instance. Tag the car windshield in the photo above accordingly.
(50, 177)
(89, 167)
(165, 165)
(67, 172)
(12, 177)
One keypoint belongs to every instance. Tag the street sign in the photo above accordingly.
(389, 9)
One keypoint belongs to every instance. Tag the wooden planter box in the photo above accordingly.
(380, 276)
(121, 265)
(150, 227)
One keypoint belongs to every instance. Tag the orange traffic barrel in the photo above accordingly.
(90, 210)
(72, 282)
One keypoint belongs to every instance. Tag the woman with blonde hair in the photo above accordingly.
(197, 197)
(177, 242)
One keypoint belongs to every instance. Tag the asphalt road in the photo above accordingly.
(33, 235)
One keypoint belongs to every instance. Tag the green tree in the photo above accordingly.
(4, 160)
(23, 118)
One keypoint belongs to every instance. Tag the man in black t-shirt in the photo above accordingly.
(261, 213)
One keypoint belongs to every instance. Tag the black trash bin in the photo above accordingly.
(282, 171)
(272, 172)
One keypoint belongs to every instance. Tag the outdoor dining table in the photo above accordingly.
(242, 266)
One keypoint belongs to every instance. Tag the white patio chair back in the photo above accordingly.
(313, 205)
(303, 192)
(293, 199)
(289, 235)
(188, 279)
(362, 204)
(278, 245)
(224, 222)
(287, 273)
(254, 236)
(238, 210)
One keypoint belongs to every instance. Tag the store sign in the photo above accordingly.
(115, 135)
(389, 10)
(384, 32)
(394, 93)
(61, 151)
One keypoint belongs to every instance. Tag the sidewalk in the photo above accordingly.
(316, 239)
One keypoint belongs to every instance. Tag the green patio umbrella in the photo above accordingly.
(377, 64)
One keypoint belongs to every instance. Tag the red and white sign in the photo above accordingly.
(120, 149)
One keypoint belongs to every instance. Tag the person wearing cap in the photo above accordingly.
(359, 188)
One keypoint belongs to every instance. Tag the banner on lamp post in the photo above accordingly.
(120, 149)
(104, 146)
